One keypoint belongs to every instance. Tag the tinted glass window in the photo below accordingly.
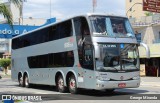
(84, 42)
(63, 59)
(111, 26)
(81, 26)
(55, 32)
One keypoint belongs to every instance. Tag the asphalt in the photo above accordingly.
(145, 81)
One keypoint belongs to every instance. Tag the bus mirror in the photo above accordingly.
(97, 51)
(147, 49)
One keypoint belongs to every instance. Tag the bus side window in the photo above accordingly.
(84, 42)
(65, 29)
(88, 57)
(85, 29)
(70, 59)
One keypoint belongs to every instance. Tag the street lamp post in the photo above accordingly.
(132, 12)
(50, 9)
(131, 7)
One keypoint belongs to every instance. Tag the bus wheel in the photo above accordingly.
(20, 80)
(60, 84)
(26, 81)
(72, 85)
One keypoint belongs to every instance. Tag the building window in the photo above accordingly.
(159, 34)
(139, 37)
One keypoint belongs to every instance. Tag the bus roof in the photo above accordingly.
(82, 15)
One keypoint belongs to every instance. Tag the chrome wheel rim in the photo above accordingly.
(60, 83)
(72, 84)
(20, 80)
(26, 81)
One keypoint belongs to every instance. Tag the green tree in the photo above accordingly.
(148, 13)
(5, 63)
(6, 13)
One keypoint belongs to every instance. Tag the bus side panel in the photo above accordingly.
(18, 65)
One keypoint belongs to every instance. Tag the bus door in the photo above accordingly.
(85, 50)
(88, 66)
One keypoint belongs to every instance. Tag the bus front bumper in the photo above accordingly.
(101, 85)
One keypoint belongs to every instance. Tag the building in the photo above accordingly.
(147, 29)
(20, 25)
(19, 20)
(134, 8)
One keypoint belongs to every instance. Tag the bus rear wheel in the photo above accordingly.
(60, 84)
(72, 85)
(20, 80)
(26, 81)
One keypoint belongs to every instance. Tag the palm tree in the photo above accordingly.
(6, 13)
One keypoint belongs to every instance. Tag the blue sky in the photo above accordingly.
(66, 8)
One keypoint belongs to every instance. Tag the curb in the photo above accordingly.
(153, 84)
(5, 76)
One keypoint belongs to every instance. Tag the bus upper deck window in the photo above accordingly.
(86, 32)
(85, 29)
(101, 28)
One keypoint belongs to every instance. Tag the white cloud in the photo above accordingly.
(58, 15)
(40, 2)
(65, 8)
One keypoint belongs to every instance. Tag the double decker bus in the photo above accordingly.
(92, 51)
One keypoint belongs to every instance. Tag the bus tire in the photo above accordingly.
(26, 81)
(20, 81)
(72, 85)
(60, 84)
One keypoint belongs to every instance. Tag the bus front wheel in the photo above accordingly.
(72, 84)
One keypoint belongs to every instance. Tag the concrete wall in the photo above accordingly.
(149, 34)
(15, 12)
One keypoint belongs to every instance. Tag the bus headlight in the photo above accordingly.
(136, 77)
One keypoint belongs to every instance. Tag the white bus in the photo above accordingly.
(92, 51)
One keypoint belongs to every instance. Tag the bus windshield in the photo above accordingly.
(111, 26)
(118, 57)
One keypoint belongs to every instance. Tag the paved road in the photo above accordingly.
(148, 86)
(9, 86)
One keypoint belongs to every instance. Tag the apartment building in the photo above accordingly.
(147, 29)
(134, 8)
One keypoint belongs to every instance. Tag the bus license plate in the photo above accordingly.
(122, 85)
